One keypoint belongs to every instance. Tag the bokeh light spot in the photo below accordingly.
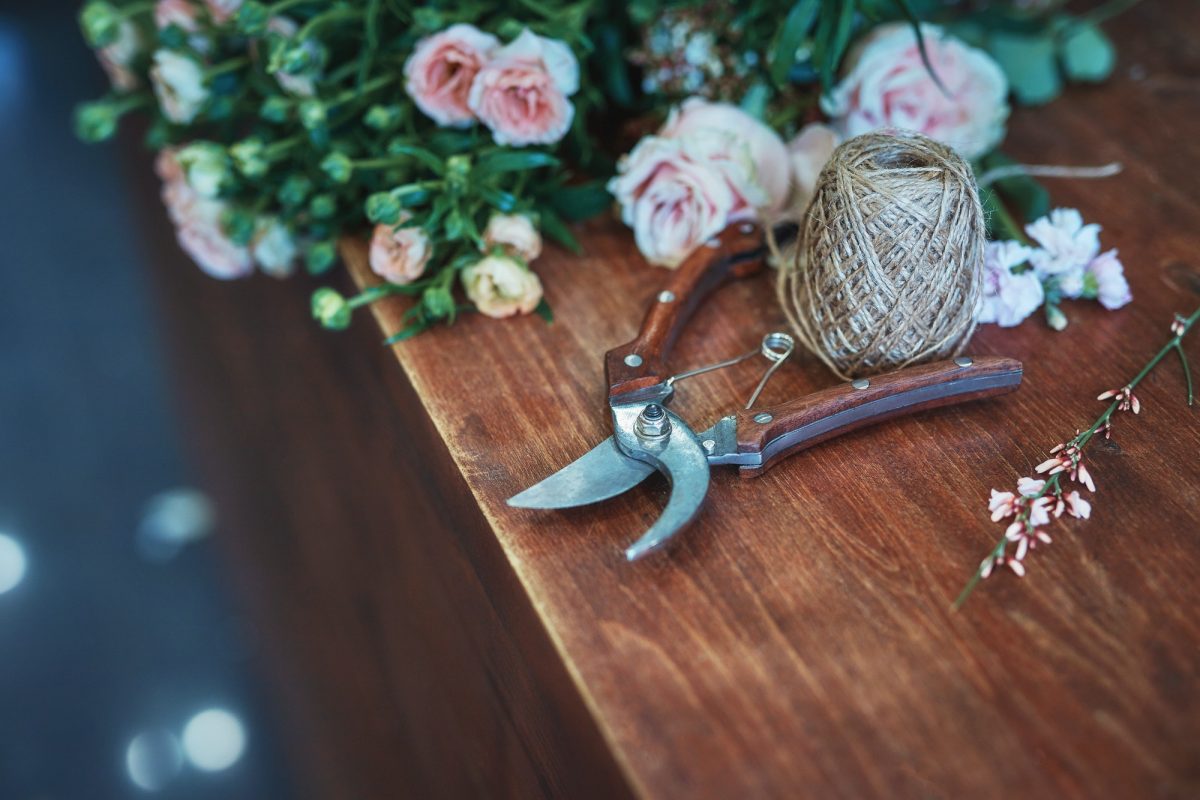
(214, 739)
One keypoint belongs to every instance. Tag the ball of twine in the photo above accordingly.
(888, 266)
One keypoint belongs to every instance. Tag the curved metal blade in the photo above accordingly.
(683, 461)
(601, 473)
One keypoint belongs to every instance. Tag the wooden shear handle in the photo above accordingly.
(786, 429)
(641, 363)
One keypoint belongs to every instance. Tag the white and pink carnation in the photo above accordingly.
(1065, 244)
(439, 73)
(522, 93)
(885, 84)
(1112, 290)
(1008, 297)
(400, 254)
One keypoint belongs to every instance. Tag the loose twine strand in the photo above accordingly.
(887, 269)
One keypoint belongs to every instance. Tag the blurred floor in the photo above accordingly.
(106, 633)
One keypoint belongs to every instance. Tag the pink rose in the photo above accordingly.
(515, 234)
(1112, 290)
(808, 153)
(1008, 298)
(197, 222)
(116, 58)
(752, 157)
(222, 10)
(439, 73)
(500, 286)
(399, 255)
(673, 204)
(885, 85)
(521, 95)
(183, 14)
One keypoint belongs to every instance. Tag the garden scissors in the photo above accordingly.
(648, 437)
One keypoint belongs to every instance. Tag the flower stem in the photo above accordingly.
(1187, 372)
(1080, 441)
(226, 66)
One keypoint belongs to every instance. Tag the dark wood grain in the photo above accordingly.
(799, 641)
(838, 410)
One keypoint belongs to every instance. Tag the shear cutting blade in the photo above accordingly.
(601, 473)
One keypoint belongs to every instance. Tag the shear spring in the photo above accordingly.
(775, 347)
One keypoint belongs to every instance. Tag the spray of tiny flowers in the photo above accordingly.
(1037, 501)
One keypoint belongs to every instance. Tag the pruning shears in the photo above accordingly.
(648, 436)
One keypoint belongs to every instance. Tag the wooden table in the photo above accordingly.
(428, 640)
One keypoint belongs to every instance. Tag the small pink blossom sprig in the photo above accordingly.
(1038, 501)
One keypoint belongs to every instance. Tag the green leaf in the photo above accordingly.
(512, 161)
(915, 21)
(574, 203)
(544, 311)
(795, 28)
(498, 199)
(557, 230)
(1030, 64)
(1028, 197)
(839, 39)
(426, 157)
(1087, 54)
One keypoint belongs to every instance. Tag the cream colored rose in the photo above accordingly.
(179, 85)
(399, 254)
(274, 248)
(886, 85)
(500, 286)
(515, 234)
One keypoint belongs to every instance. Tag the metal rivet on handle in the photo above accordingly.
(666, 296)
(860, 383)
(964, 361)
(633, 360)
(763, 418)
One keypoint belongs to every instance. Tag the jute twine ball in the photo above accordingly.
(888, 266)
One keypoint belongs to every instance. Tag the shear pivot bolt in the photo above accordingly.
(963, 361)
(633, 360)
(653, 423)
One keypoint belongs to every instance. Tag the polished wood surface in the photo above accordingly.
(798, 640)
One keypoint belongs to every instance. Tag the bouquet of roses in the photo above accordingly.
(456, 135)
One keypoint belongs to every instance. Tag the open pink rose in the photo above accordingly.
(886, 85)
(500, 286)
(439, 73)
(521, 95)
(751, 156)
(400, 254)
(673, 203)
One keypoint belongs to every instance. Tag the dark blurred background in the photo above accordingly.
(127, 669)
